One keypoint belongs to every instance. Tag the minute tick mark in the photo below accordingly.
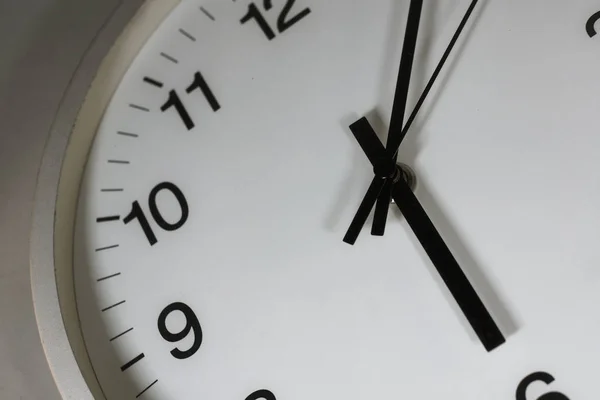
(110, 218)
(113, 306)
(187, 34)
(147, 387)
(129, 364)
(121, 334)
(118, 162)
(114, 246)
(108, 277)
(133, 135)
(112, 190)
(209, 15)
(153, 82)
(170, 58)
(145, 109)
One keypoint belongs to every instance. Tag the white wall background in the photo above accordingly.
(41, 43)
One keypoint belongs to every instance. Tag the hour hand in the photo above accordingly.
(446, 265)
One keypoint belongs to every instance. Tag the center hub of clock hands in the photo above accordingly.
(387, 169)
(407, 174)
(397, 179)
(386, 185)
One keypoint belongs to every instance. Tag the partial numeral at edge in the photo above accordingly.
(262, 394)
(590, 24)
(544, 377)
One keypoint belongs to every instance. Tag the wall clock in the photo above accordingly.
(300, 199)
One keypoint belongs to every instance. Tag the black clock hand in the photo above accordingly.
(435, 247)
(364, 209)
(382, 165)
(397, 141)
(369, 201)
(444, 262)
(398, 108)
(376, 154)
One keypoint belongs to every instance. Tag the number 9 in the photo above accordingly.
(191, 324)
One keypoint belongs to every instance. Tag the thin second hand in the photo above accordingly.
(434, 77)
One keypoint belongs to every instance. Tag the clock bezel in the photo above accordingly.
(69, 141)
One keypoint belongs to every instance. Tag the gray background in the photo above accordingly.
(41, 44)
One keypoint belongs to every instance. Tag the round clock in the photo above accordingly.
(301, 199)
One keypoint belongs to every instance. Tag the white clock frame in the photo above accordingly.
(61, 169)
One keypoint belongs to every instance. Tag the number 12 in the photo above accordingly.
(284, 21)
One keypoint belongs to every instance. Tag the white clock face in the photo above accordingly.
(209, 256)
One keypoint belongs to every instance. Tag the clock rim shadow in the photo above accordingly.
(126, 383)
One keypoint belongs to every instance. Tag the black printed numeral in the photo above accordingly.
(200, 83)
(538, 377)
(261, 394)
(174, 101)
(137, 212)
(590, 24)
(191, 325)
(254, 13)
(284, 21)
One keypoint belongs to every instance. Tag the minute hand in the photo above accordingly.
(395, 142)
(398, 108)
(392, 149)
(459, 286)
